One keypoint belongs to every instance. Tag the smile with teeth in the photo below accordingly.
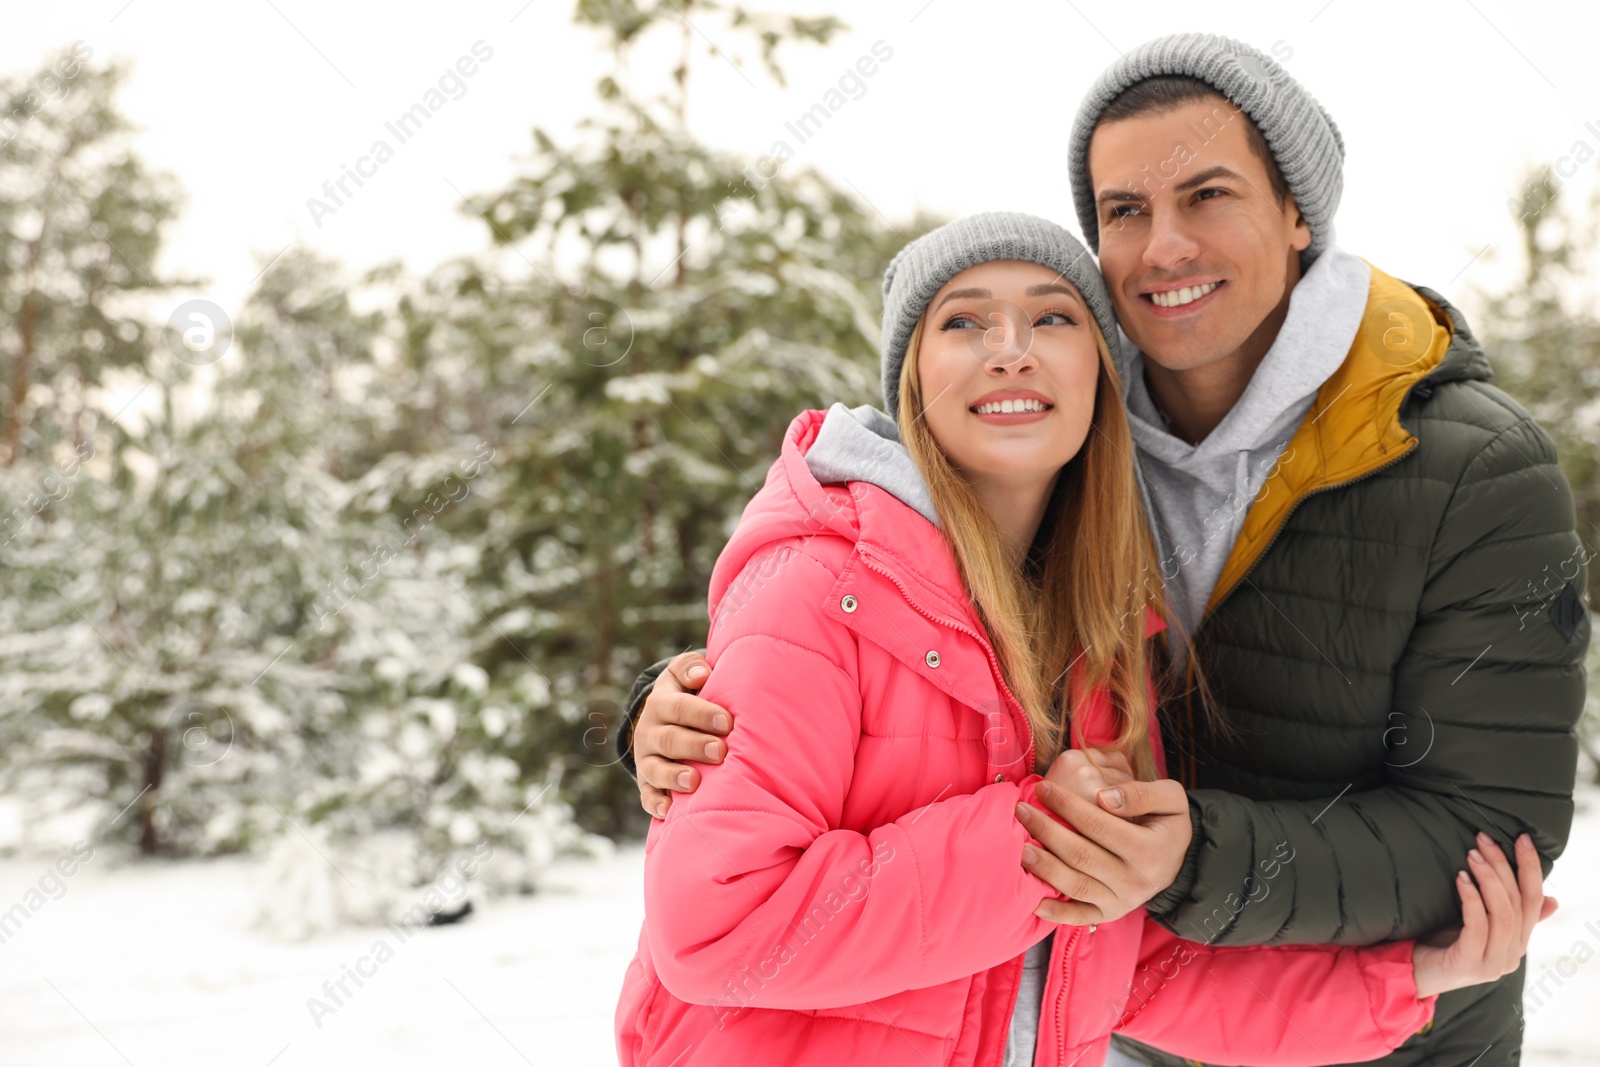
(1007, 407)
(1173, 298)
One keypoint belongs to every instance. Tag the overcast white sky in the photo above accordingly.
(254, 104)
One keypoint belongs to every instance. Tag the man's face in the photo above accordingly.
(1194, 247)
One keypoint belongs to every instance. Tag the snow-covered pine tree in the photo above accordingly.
(667, 308)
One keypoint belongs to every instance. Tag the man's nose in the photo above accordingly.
(1171, 245)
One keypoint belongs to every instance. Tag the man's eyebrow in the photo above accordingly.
(957, 293)
(1130, 195)
(1111, 196)
(1209, 174)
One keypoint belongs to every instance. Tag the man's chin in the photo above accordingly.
(1180, 357)
(1179, 348)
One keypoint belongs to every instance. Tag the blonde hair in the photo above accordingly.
(1089, 598)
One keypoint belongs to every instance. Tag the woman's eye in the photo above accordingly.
(958, 322)
(1056, 318)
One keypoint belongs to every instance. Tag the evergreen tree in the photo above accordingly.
(80, 223)
(387, 563)
(678, 307)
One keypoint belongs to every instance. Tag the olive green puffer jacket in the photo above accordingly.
(1396, 642)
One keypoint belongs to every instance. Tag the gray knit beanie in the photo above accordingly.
(921, 268)
(1300, 134)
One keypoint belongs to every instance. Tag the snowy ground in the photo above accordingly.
(146, 964)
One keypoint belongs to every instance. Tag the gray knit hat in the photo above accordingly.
(1300, 134)
(920, 269)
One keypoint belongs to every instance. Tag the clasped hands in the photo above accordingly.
(1126, 841)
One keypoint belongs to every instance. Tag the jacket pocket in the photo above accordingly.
(935, 1011)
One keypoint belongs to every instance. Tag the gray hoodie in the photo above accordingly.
(1198, 494)
(863, 445)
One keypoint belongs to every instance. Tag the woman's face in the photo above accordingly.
(1008, 369)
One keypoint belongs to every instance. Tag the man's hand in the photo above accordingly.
(1109, 864)
(674, 728)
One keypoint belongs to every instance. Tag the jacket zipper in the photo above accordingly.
(1412, 447)
(1061, 995)
(994, 664)
(994, 661)
(1188, 699)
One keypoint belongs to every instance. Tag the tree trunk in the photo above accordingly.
(22, 366)
(155, 762)
(681, 76)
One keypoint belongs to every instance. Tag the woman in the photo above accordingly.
(907, 634)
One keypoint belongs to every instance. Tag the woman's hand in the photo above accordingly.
(1086, 771)
(1498, 916)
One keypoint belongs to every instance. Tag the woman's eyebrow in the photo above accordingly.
(1032, 290)
(1051, 287)
(955, 293)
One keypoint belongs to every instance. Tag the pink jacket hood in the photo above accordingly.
(846, 887)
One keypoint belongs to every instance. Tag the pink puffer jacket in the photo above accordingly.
(846, 887)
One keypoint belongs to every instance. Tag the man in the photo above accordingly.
(1371, 547)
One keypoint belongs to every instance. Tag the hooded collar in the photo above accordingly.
(866, 490)
(1325, 311)
(862, 444)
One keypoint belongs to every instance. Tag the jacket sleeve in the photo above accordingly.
(756, 893)
(1285, 1005)
(1487, 693)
